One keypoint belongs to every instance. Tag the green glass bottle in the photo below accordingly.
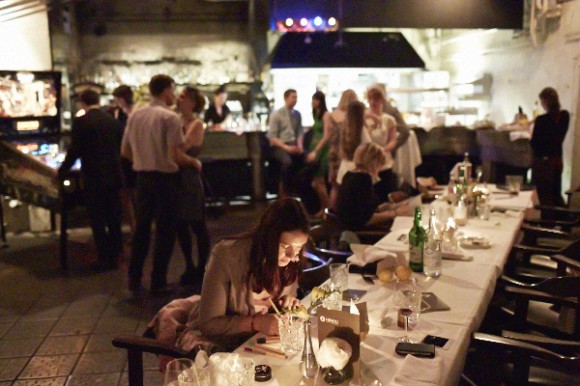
(417, 237)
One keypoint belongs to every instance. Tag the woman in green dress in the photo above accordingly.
(318, 151)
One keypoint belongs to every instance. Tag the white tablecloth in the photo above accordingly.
(466, 286)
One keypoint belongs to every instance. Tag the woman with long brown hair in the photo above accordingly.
(549, 133)
(353, 135)
(248, 271)
(191, 195)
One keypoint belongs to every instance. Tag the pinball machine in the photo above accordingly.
(32, 148)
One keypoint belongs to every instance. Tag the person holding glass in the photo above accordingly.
(549, 133)
(244, 275)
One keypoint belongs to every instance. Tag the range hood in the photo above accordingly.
(345, 50)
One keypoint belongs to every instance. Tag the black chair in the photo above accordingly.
(558, 291)
(564, 219)
(519, 359)
(315, 275)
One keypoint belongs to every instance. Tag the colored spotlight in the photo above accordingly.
(304, 22)
(332, 21)
(289, 22)
(317, 21)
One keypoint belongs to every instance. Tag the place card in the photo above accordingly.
(348, 326)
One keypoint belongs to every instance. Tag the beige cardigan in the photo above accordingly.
(221, 314)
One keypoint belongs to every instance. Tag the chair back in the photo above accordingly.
(522, 352)
(314, 276)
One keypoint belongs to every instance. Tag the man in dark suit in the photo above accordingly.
(95, 139)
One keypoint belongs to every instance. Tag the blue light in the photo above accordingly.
(317, 21)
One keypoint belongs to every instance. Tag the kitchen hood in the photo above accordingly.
(344, 50)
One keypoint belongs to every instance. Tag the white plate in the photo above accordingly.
(475, 242)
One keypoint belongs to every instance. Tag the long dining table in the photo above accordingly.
(466, 286)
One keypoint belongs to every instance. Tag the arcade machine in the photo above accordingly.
(32, 147)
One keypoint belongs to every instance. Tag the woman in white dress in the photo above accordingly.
(382, 130)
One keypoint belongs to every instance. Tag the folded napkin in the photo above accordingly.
(515, 135)
(420, 371)
(459, 254)
(366, 254)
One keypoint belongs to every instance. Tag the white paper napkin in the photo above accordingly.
(420, 371)
(366, 254)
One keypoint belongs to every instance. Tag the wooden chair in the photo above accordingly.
(564, 219)
(559, 291)
(520, 359)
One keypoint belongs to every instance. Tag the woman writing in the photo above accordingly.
(244, 274)
(318, 149)
(549, 133)
(358, 205)
(382, 129)
(192, 197)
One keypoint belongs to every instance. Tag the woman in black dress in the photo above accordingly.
(191, 195)
(549, 133)
(218, 111)
(358, 206)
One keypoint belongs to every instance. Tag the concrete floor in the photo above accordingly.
(56, 329)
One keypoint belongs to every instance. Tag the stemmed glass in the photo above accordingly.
(407, 299)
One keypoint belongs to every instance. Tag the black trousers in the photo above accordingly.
(289, 165)
(547, 176)
(103, 205)
(157, 200)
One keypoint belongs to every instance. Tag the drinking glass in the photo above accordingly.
(183, 372)
(241, 374)
(339, 276)
(333, 301)
(514, 183)
(407, 299)
(291, 333)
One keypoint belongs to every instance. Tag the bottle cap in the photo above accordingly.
(262, 373)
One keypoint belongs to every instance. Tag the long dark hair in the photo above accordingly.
(550, 95)
(284, 215)
(195, 95)
(350, 138)
(321, 98)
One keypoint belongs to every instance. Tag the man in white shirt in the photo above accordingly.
(153, 141)
(286, 135)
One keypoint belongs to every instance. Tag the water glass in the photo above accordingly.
(242, 373)
(333, 301)
(483, 210)
(183, 372)
(514, 183)
(291, 333)
(339, 276)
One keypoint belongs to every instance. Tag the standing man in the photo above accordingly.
(153, 142)
(95, 140)
(286, 136)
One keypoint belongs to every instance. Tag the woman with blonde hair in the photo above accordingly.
(358, 206)
(382, 129)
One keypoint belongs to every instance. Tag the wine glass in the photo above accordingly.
(407, 299)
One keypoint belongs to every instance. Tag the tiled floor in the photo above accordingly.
(56, 329)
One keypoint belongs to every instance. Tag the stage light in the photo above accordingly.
(332, 21)
(304, 22)
(317, 21)
(289, 22)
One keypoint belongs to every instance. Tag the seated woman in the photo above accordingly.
(357, 204)
(244, 274)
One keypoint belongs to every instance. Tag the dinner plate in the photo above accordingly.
(475, 242)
